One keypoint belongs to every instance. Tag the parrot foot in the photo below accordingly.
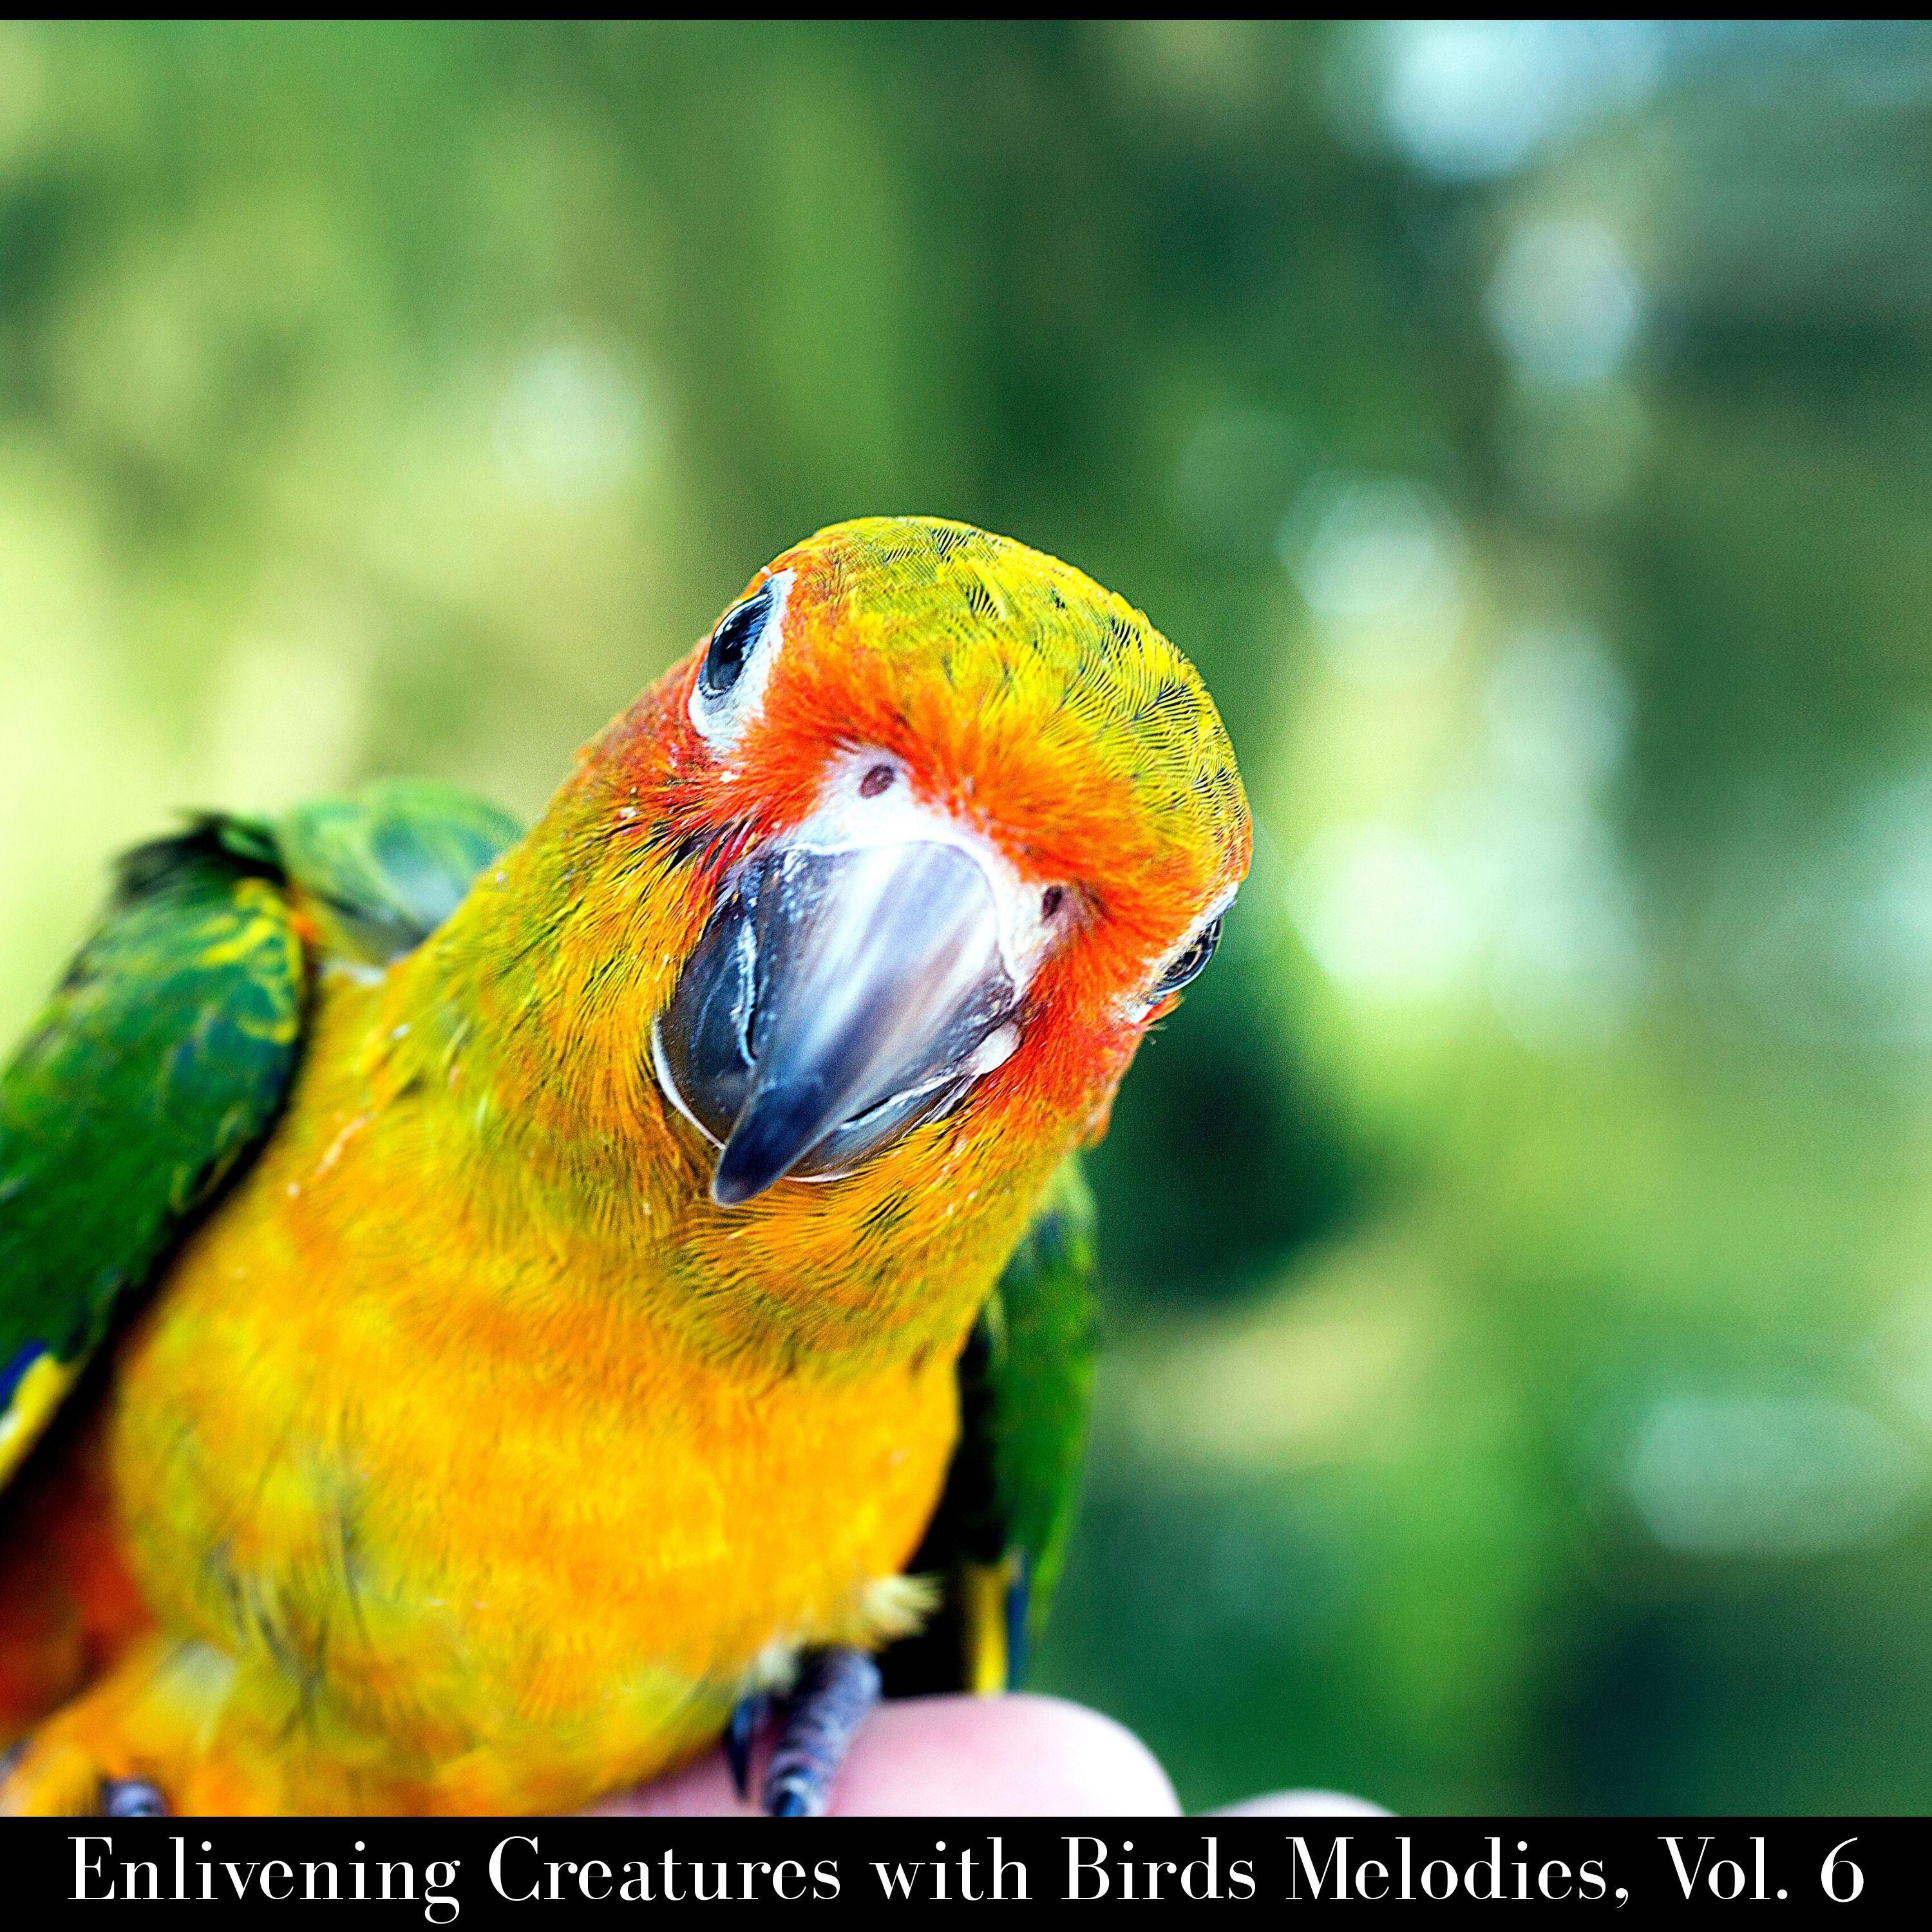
(54, 1778)
(836, 1689)
(131, 1798)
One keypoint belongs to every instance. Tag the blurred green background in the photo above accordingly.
(1520, 1248)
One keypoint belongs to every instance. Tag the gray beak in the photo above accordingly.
(835, 999)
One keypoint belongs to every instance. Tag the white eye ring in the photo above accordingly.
(721, 706)
(1207, 927)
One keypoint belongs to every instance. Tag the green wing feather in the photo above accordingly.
(388, 866)
(155, 1066)
(998, 1538)
(160, 1061)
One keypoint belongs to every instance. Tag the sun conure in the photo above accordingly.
(479, 1311)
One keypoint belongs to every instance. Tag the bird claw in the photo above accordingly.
(131, 1798)
(836, 1689)
(747, 1718)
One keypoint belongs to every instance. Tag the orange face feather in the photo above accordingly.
(1019, 699)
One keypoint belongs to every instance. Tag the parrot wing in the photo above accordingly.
(160, 1062)
(998, 1539)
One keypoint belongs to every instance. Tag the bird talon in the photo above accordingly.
(747, 1718)
(131, 1798)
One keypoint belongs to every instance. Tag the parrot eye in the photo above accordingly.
(1189, 965)
(731, 644)
(738, 661)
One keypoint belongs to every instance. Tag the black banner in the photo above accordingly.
(444, 1872)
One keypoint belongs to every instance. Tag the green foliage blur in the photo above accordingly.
(1519, 1384)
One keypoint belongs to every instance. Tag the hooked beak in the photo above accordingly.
(835, 999)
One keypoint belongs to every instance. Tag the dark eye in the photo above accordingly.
(731, 644)
(1189, 965)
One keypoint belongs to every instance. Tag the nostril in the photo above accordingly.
(878, 779)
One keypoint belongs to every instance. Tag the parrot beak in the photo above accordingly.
(835, 999)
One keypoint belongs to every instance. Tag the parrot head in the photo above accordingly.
(957, 826)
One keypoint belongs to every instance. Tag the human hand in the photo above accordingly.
(1021, 1755)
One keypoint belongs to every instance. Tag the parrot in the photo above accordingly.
(487, 1313)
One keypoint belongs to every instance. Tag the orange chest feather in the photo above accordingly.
(457, 1454)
